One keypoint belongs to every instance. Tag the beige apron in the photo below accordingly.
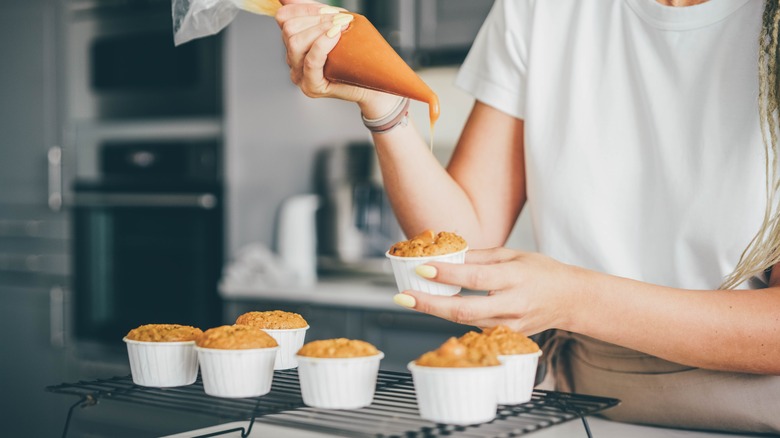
(658, 392)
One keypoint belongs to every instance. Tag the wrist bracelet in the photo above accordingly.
(397, 116)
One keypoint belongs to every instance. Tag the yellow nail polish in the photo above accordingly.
(426, 271)
(404, 300)
(329, 10)
(333, 31)
(343, 19)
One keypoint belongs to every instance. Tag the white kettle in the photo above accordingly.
(297, 237)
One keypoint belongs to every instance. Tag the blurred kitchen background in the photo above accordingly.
(146, 183)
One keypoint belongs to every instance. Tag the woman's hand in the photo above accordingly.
(310, 30)
(528, 292)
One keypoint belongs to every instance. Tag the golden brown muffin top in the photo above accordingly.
(428, 244)
(235, 337)
(164, 333)
(500, 340)
(455, 354)
(273, 319)
(338, 348)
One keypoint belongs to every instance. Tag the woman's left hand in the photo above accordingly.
(528, 292)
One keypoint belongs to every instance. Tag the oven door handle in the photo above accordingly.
(206, 201)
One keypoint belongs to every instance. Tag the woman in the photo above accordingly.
(642, 136)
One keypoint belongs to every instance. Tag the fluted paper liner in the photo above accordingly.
(407, 279)
(459, 396)
(338, 383)
(162, 364)
(237, 373)
(518, 377)
(290, 341)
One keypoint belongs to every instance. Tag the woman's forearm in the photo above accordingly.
(731, 330)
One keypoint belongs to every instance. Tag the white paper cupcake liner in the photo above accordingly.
(459, 396)
(338, 383)
(237, 373)
(407, 279)
(162, 364)
(290, 341)
(518, 377)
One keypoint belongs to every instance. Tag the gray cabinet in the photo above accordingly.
(33, 238)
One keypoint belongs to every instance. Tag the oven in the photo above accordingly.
(148, 238)
(122, 63)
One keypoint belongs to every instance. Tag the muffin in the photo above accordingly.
(289, 330)
(338, 373)
(236, 361)
(163, 355)
(518, 353)
(456, 384)
(426, 247)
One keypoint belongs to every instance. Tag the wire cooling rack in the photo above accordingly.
(393, 412)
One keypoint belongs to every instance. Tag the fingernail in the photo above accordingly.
(426, 271)
(343, 19)
(333, 31)
(404, 300)
(329, 10)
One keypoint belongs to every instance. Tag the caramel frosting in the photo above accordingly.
(273, 319)
(235, 337)
(455, 354)
(164, 333)
(500, 340)
(362, 57)
(428, 244)
(338, 348)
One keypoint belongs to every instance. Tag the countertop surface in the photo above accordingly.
(600, 428)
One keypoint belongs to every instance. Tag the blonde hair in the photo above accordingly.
(763, 251)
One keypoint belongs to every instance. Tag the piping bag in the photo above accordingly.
(362, 57)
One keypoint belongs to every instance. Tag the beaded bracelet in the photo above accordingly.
(397, 116)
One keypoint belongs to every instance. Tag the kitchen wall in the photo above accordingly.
(273, 131)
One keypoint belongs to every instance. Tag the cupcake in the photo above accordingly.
(338, 373)
(426, 247)
(236, 361)
(289, 330)
(163, 355)
(518, 353)
(456, 384)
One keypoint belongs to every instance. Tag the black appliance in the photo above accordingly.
(428, 32)
(148, 237)
(123, 63)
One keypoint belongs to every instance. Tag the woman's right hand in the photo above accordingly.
(310, 30)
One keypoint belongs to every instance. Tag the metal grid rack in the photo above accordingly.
(393, 412)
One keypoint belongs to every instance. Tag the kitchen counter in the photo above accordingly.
(364, 292)
(600, 428)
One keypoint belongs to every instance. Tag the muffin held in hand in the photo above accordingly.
(288, 328)
(519, 355)
(273, 319)
(164, 333)
(457, 384)
(163, 355)
(338, 373)
(426, 247)
(428, 244)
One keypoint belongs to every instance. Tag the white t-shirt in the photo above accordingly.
(643, 148)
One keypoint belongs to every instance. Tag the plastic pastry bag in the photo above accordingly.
(199, 18)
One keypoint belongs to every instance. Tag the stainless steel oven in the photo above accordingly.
(122, 63)
(148, 238)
